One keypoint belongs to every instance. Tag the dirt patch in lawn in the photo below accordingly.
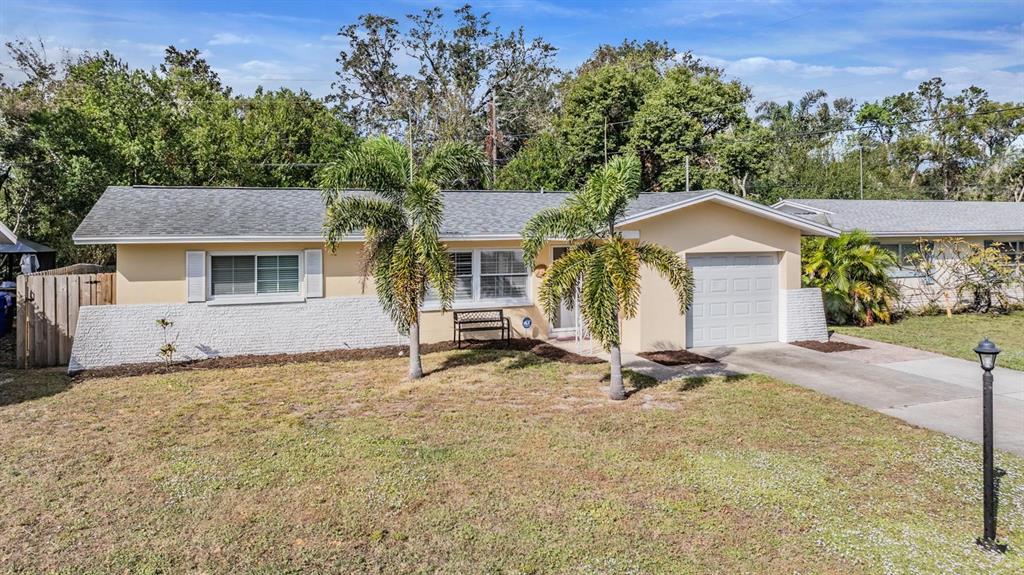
(538, 347)
(827, 346)
(676, 357)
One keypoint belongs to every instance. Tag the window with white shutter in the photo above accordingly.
(255, 277)
(195, 275)
(314, 273)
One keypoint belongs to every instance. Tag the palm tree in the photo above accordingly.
(853, 274)
(600, 264)
(400, 220)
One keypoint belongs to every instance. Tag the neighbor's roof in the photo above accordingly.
(156, 214)
(913, 217)
(12, 244)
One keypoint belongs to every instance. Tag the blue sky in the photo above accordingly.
(863, 50)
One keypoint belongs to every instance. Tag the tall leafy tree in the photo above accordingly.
(682, 118)
(280, 136)
(401, 221)
(600, 264)
(465, 63)
(539, 165)
(70, 129)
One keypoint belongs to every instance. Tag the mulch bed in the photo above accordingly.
(538, 347)
(827, 346)
(676, 357)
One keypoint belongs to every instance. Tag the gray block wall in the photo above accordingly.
(122, 334)
(802, 315)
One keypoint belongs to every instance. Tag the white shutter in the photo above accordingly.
(195, 275)
(314, 273)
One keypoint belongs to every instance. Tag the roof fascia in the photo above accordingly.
(741, 204)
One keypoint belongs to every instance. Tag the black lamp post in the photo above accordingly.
(987, 352)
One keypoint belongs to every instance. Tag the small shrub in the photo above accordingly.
(168, 349)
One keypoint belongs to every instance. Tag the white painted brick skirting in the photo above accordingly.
(120, 334)
(802, 315)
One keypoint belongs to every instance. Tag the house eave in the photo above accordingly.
(100, 240)
(806, 226)
(946, 234)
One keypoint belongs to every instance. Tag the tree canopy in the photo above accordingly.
(74, 127)
(71, 127)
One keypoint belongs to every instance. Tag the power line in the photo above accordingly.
(817, 132)
(779, 135)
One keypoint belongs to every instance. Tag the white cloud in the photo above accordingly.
(754, 65)
(917, 74)
(229, 39)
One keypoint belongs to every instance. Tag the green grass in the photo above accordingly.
(497, 462)
(955, 336)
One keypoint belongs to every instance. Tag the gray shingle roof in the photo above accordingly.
(926, 217)
(157, 213)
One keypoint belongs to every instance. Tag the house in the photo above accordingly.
(245, 270)
(22, 255)
(899, 226)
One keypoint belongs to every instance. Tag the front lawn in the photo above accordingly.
(956, 336)
(497, 462)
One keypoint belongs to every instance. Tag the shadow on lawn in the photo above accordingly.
(699, 381)
(19, 386)
(539, 353)
(637, 382)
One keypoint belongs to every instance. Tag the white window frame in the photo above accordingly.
(902, 269)
(255, 298)
(1013, 248)
(485, 303)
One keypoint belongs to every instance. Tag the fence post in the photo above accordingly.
(20, 332)
(50, 311)
(61, 320)
(37, 297)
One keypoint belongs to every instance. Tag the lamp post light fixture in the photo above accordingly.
(987, 352)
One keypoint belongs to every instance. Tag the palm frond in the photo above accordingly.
(437, 266)
(611, 188)
(622, 264)
(406, 281)
(543, 226)
(378, 164)
(454, 165)
(600, 303)
(347, 214)
(424, 205)
(564, 278)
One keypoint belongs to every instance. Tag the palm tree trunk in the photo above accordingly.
(415, 365)
(615, 389)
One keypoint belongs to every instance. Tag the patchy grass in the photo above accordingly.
(497, 462)
(956, 336)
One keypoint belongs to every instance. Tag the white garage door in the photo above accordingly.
(735, 299)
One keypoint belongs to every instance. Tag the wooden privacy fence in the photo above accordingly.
(48, 313)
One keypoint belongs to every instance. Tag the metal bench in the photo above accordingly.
(481, 320)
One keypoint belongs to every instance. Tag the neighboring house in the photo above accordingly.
(22, 256)
(899, 226)
(245, 270)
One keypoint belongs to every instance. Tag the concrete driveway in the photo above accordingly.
(922, 388)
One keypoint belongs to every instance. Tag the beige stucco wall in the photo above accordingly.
(155, 273)
(918, 292)
(704, 228)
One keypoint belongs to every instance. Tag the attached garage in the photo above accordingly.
(735, 299)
